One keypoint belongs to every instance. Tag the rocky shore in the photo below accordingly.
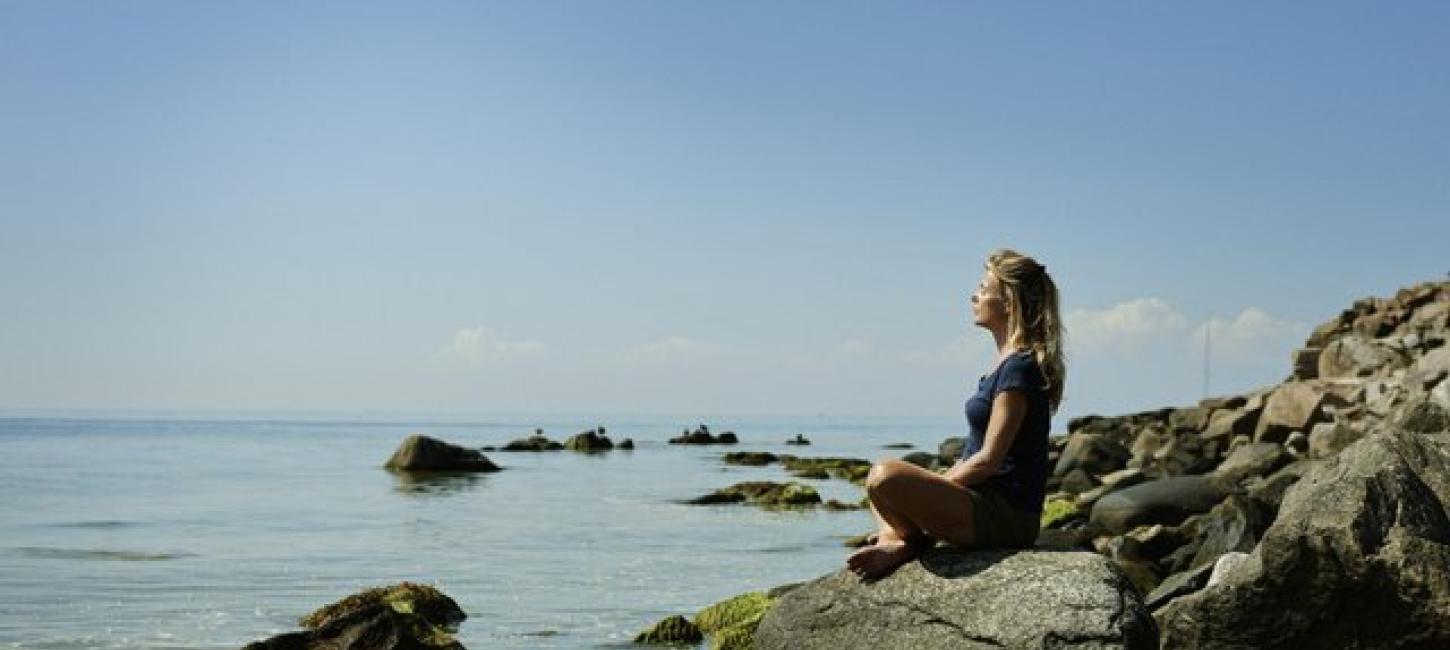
(1307, 514)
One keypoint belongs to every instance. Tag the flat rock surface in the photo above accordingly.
(966, 599)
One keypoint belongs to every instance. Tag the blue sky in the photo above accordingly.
(694, 207)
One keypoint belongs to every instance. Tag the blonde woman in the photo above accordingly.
(992, 496)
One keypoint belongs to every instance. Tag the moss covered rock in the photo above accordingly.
(762, 493)
(731, 623)
(675, 629)
(405, 616)
(1058, 510)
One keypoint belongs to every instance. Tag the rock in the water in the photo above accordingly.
(762, 493)
(424, 454)
(966, 599)
(675, 629)
(589, 441)
(1164, 501)
(750, 458)
(798, 440)
(702, 436)
(536, 442)
(851, 469)
(1359, 556)
(405, 616)
(920, 459)
(626, 444)
(950, 450)
(732, 622)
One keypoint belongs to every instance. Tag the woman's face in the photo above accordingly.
(989, 308)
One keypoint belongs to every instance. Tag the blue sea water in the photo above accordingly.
(187, 533)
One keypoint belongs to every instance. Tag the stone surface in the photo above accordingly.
(1092, 453)
(750, 458)
(1163, 501)
(672, 630)
(589, 441)
(423, 454)
(1254, 459)
(1295, 406)
(404, 616)
(960, 599)
(1328, 438)
(536, 442)
(1359, 556)
(762, 493)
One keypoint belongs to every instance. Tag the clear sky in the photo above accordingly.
(689, 207)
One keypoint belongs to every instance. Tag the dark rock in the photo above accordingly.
(702, 436)
(1077, 481)
(673, 630)
(588, 441)
(728, 438)
(749, 458)
(1306, 362)
(1178, 584)
(1094, 454)
(898, 445)
(840, 506)
(950, 450)
(851, 469)
(762, 493)
(405, 616)
(1424, 416)
(1226, 424)
(1164, 501)
(920, 459)
(1359, 556)
(1269, 492)
(627, 443)
(423, 454)
(965, 599)
(536, 442)
(798, 440)
(1233, 525)
(1190, 419)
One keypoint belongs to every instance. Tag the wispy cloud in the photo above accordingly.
(1126, 325)
(477, 345)
(671, 349)
(1253, 332)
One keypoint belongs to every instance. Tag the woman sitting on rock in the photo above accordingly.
(992, 496)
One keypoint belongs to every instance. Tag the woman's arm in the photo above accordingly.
(1009, 407)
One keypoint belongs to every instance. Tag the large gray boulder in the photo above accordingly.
(1294, 406)
(423, 454)
(1359, 557)
(966, 599)
(1165, 501)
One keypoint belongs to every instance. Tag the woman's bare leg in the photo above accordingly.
(910, 505)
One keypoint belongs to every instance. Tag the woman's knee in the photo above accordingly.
(883, 473)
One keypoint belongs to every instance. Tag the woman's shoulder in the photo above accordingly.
(1020, 369)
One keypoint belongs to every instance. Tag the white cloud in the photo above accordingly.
(853, 349)
(476, 345)
(673, 348)
(1253, 332)
(1125, 325)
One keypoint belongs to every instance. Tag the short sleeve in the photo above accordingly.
(1020, 372)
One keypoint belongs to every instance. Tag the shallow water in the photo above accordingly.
(131, 533)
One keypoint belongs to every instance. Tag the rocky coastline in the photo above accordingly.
(1310, 513)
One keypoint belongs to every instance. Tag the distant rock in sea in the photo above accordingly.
(423, 454)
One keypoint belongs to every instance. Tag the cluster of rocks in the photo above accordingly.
(702, 436)
(404, 616)
(1250, 520)
(769, 494)
(850, 469)
(591, 440)
(1311, 513)
(731, 623)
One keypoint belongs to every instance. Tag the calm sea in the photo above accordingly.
(170, 533)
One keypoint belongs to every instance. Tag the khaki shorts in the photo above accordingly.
(999, 524)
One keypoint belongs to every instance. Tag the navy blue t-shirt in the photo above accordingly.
(1022, 478)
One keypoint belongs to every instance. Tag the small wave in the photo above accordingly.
(103, 523)
(48, 553)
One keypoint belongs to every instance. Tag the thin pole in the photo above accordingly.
(1207, 334)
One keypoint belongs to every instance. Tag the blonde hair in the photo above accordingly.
(1034, 322)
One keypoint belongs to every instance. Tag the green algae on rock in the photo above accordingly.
(674, 629)
(762, 493)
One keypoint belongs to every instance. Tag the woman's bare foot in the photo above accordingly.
(880, 560)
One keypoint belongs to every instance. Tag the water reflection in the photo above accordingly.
(434, 483)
